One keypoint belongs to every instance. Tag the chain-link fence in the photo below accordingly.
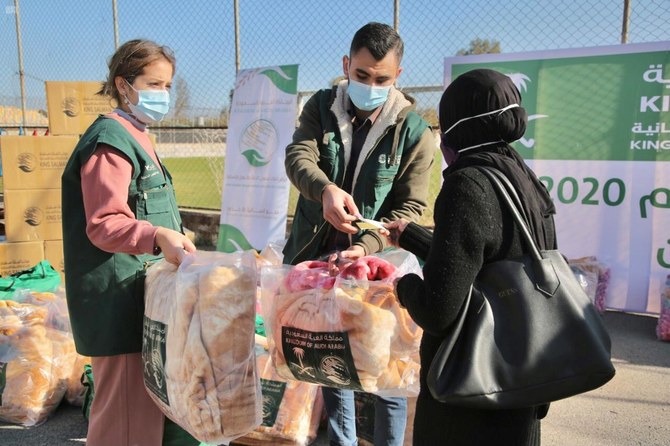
(72, 39)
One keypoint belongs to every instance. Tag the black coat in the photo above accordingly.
(471, 229)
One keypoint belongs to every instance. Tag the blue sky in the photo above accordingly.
(72, 39)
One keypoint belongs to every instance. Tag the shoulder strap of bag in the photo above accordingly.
(546, 278)
(511, 199)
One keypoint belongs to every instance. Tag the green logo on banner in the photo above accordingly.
(231, 239)
(283, 77)
(597, 107)
(259, 142)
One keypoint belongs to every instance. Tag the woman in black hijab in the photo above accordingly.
(480, 114)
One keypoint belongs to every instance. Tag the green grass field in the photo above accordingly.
(198, 180)
(195, 181)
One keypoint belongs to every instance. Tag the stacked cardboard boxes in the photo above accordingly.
(73, 106)
(32, 169)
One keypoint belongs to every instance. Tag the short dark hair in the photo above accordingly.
(379, 39)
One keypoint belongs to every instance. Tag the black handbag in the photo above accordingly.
(527, 333)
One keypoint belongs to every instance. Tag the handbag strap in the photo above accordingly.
(513, 202)
(546, 278)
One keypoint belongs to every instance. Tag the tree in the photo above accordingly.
(480, 46)
(182, 97)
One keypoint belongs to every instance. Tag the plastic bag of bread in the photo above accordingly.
(34, 363)
(198, 344)
(58, 318)
(346, 331)
(76, 391)
(55, 303)
(589, 270)
(291, 409)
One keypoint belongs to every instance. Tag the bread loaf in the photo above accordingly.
(378, 337)
(206, 312)
(33, 362)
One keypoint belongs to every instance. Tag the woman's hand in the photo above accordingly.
(173, 244)
(395, 229)
(340, 260)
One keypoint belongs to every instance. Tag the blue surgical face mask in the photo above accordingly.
(367, 97)
(152, 105)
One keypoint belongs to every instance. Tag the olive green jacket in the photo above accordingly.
(391, 178)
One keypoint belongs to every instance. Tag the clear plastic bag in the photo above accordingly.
(35, 360)
(291, 409)
(198, 344)
(76, 390)
(347, 331)
(588, 268)
(71, 364)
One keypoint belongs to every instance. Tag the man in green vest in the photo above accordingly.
(360, 150)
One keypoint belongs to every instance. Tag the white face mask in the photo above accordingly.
(499, 111)
(494, 112)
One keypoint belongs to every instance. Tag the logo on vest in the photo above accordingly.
(393, 161)
(149, 171)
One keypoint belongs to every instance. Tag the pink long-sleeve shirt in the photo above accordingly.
(110, 224)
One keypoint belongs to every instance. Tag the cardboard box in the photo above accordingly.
(33, 214)
(73, 106)
(35, 162)
(53, 252)
(15, 257)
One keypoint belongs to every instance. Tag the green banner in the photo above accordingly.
(598, 107)
(593, 115)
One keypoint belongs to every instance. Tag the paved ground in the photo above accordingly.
(632, 409)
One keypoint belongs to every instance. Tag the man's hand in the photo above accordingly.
(336, 203)
(174, 245)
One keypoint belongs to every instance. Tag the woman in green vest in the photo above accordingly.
(120, 215)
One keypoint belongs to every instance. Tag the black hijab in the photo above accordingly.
(480, 91)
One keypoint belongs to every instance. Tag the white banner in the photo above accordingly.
(255, 187)
(599, 138)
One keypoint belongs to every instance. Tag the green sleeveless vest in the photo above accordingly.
(105, 291)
